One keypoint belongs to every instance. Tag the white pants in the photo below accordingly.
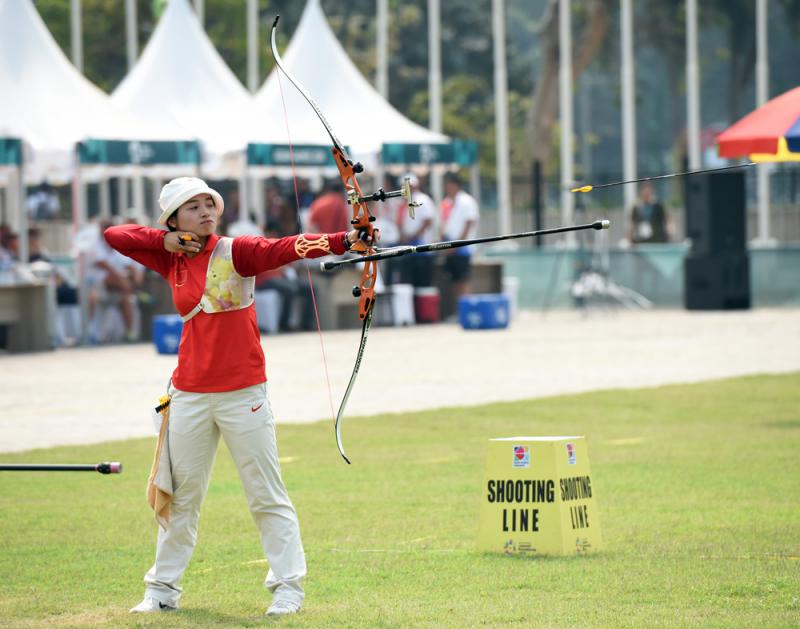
(244, 417)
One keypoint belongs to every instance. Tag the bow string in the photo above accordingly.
(362, 221)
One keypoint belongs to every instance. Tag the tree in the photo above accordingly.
(726, 30)
(593, 22)
(105, 60)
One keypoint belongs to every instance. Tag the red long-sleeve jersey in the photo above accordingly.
(219, 351)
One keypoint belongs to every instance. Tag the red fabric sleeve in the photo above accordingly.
(254, 254)
(143, 244)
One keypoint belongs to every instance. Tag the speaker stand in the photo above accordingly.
(594, 289)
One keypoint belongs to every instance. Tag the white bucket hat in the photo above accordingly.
(179, 191)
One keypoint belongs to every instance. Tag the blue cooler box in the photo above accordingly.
(484, 312)
(167, 333)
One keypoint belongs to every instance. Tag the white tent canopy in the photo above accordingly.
(360, 117)
(49, 104)
(182, 81)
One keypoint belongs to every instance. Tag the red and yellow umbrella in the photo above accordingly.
(771, 133)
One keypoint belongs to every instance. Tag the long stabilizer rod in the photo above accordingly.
(394, 252)
(107, 467)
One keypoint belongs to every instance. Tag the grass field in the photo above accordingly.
(698, 488)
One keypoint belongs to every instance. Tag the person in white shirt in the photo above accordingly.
(111, 273)
(418, 269)
(43, 204)
(459, 221)
(244, 227)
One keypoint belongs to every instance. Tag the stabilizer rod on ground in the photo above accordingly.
(107, 467)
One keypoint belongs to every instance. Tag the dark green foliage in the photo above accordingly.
(726, 49)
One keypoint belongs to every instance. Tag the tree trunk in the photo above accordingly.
(743, 57)
(543, 113)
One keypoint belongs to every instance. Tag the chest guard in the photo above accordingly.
(225, 289)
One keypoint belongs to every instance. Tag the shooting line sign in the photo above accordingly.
(538, 497)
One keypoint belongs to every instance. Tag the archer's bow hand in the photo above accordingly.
(362, 235)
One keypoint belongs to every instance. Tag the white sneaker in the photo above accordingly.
(150, 604)
(283, 607)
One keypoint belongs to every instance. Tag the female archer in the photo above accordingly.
(220, 383)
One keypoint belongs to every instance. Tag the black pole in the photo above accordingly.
(537, 199)
(107, 467)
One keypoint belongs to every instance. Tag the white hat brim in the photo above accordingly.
(191, 191)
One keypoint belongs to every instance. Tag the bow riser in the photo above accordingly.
(363, 222)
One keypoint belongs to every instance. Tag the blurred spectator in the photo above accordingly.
(7, 263)
(9, 246)
(329, 212)
(243, 228)
(68, 321)
(649, 221)
(418, 268)
(43, 203)
(294, 293)
(386, 219)
(112, 279)
(280, 214)
(66, 292)
(136, 271)
(305, 197)
(292, 290)
(35, 250)
(459, 222)
(232, 210)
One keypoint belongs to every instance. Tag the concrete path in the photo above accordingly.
(89, 395)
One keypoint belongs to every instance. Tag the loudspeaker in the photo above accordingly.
(717, 282)
(716, 219)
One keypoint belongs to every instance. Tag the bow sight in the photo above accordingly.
(404, 192)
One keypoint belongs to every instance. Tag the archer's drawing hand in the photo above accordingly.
(182, 242)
